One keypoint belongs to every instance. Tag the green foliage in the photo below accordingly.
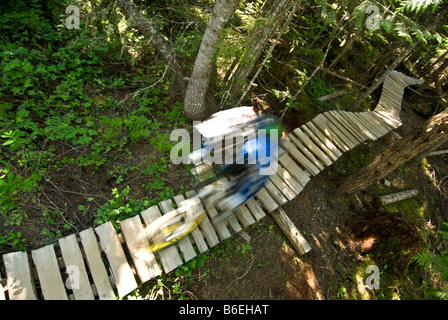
(59, 108)
(15, 240)
(436, 263)
(418, 6)
(403, 25)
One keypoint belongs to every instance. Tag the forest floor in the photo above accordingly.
(346, 235)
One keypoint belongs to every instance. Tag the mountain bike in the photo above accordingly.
(239, 181)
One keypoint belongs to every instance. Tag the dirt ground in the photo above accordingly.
(346, 235)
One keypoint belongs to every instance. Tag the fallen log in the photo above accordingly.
(331, 96)
(438, 153)
(395, 197)
(291, 232)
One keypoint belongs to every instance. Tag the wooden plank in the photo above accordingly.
(343, 134)
(362, 129)
(298, 242)
(266, 200)
(185, 243)
(206, 226)
(301, 176)
(356, 126)
(342, 128)
(244, 216)
(232, 220)
(289, 179)
(234, 224)
(297, 143)
(137, 242)
(330, 133)
(348, 126)
(169, 256)
(319, 143)
(74, 263)
(121, 271)
(369, 117)
(312, 147)
(387, 119)
(327, 142)
(96, 266)
(255, 209)
(300, 157)
(18, 274)
(283, 187)
(221, 228)
(275, 193)
(196, 233)
(380, 121)
(368, 125)
(48, 272)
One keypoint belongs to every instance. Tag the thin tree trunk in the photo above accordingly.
(195, 106)
(268, 55)
(148, 29)
(299, 91)
(380, 64)
(432, 133)
(256, 44)
(383, 77)
(429, 69)
(347, 46)
(433, 76)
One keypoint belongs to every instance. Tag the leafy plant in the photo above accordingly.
(438, 262)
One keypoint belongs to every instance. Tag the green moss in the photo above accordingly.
(412, 208)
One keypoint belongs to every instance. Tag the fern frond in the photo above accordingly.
(437, 294)
(441, 265)
(424, 259)
(418, 6)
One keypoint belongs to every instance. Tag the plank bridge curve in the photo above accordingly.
(99, 263)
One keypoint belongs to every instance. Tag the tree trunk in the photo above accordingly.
(256, 43)
(427, 70)
(380, 64)
(383, 77)
(195, 106)
(268, 55)
(432, 132)
(348, 45)
(433, 76)
(147, 28)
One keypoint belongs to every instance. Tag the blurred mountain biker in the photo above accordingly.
(253, 148)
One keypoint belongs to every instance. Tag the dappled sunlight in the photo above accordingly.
(317, 242)
(302, 283)
(362, 289)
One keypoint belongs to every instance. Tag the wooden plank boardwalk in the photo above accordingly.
(99, 263)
